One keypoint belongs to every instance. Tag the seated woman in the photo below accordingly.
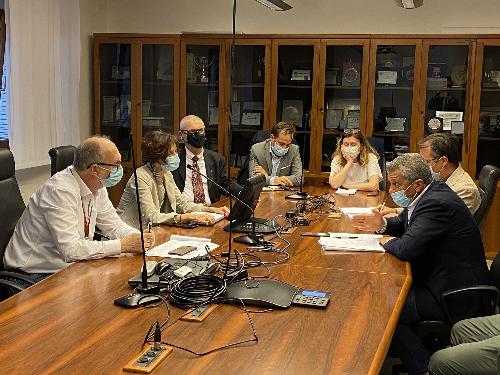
(355, 163)
(161, 200)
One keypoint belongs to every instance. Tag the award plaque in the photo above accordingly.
(459, 76)
(448, 117)
(457, 127)
(332, 76)
(333, 118)
(435, 125)
(387, 77)
(251, 118)
(395, 124)
(351, 74)
(301, 75)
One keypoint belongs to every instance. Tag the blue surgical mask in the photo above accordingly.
(400, 198)
(114, 177)
(172, 162)
(279, 151)
(435, 175)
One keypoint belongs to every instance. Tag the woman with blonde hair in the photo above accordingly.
(355, 163)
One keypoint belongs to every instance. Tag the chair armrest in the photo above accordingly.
(4, 275)
(486, 302)
(428, 327)
(6, 284)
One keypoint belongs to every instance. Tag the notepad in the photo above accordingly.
(177, 241)
(353, 211)
(341, 191)
(352, 242)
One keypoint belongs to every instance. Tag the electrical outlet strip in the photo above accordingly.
(148, 360)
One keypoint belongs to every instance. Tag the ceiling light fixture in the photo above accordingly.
(277, 5)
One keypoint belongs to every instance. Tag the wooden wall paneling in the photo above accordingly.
(417, 121)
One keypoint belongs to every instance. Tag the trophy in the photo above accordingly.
(261, 66)
(203, 64)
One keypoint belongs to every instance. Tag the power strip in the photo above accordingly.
(148, 360)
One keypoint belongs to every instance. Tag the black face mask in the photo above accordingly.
(196, 140)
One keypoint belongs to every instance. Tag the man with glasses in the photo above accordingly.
(438, 236)
(442, 153)
(209, 163)
(57, 226)
(277, 158)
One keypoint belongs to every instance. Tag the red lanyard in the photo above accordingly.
(86, 219)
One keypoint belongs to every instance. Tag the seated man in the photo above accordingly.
(438, 236)
(277, 158)
(57, 227)
(475, 350)
(194, 186)
(442, 153)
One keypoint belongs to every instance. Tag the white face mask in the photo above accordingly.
(351, 151)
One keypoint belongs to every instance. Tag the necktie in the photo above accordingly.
(198, 192)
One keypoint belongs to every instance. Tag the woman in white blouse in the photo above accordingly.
(355, 163)
(161, 200)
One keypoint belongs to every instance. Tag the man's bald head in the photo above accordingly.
(191, 122)
(94, 150)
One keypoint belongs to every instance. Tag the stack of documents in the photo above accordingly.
(177, 241)
(352, 242)
(353, 211)
(341, 191)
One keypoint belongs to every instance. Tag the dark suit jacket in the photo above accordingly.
(216, 170)
(443, 245)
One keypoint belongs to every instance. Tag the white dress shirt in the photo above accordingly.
(50, 234)
(188, 184)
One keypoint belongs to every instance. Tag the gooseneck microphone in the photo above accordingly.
(142, 294)
(249, 239)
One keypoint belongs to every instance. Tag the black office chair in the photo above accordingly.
(60, 158)
(484, 302)
(487, 186)
(378, 144)
(11, 209)
(244, 173)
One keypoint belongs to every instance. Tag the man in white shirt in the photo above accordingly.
(194, 185)
(57, 226)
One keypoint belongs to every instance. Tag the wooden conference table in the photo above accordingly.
(68, 323)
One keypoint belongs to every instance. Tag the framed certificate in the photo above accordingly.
(448, 117)
(457, 127)
(387, 77)
(250, 118)
(352, 122)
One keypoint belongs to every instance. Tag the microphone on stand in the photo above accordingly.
(143, 294)
(248, 239)
(301, 194)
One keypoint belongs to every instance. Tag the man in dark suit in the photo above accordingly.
(438, 236)
(277, 158)
(193, 185)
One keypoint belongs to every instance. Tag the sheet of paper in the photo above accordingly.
(272, 188)
(352, 242)
(346, 191)
(177, 241)
(352, 211)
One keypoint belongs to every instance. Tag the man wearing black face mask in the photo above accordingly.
(193, 185)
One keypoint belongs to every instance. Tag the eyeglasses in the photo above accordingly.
(351, 131)
(194, 131)
(114, 169)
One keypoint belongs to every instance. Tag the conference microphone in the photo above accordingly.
(142, 294)
(249, 239)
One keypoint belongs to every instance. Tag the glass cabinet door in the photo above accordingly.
(446, 89)
(393, 97)
(247, 99)
(342, 96)
(202, 88)
(157, 88)
(294, 92)
(115, 95)
(488, 131)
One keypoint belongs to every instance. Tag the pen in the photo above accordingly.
(383, 205)
(345, 237)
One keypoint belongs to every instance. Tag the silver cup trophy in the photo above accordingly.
(202, 63)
